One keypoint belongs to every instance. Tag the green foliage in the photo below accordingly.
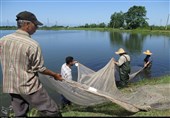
(52, 27)
(8, 27)
(136, 17)
(93, 25)
(153, 27)
(33, 113)
(117, 20)
(11, 114)
(153, 81)
(102, 25)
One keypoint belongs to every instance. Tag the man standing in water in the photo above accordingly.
(148, 59)
(21, 61)
(124, 67)
(147, 64)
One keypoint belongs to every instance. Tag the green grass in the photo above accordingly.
(110, 109)
(139, 30)
(152, 81)
(142, 31)
(103, 110)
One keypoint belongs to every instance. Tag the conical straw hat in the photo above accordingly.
(120, 51)
(147, 52)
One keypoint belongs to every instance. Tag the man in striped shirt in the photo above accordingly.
(21, 61)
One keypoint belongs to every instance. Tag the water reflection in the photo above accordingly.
(132, 42)
(136, 43)
(94, 49)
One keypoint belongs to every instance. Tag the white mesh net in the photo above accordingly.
(99, 87)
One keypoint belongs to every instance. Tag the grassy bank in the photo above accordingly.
(110, 109)
(143, 31)
(140, 30)
(152, 81)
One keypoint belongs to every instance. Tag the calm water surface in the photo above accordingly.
(94, 49)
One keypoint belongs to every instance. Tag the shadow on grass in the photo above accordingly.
(107, 109)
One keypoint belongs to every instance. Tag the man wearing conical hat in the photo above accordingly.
(124, 66)
(148, 59)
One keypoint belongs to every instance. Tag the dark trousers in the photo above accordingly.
(65, 101)
(40, 100)
(124, 79)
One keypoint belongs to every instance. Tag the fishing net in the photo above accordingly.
(98, 87)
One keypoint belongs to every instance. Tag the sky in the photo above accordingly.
(80, 12)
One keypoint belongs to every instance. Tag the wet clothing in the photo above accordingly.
(124, 69)
(147, 70)
(148, 59)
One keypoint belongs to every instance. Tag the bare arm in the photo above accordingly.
(53, 74)
(115, 62)
(146, 64)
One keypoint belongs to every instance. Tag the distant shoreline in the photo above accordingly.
(104, 29)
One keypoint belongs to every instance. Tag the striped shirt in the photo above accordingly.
(21, 60)
(66, 72)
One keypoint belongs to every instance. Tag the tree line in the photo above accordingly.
(134, 18)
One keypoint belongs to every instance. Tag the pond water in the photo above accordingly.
(95, 48)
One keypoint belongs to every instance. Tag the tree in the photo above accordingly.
(86, 25)
(117, 20)
(136, 17)
(102, 25)
(93, 25)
